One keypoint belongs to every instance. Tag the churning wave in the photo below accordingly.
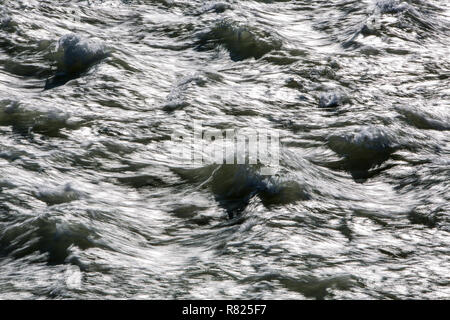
(94, 204)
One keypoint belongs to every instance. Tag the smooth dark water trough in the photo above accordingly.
(93, 204)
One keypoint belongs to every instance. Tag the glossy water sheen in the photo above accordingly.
(93, 204)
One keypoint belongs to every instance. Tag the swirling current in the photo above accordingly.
(94, 205)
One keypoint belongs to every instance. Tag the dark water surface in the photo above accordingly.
(94, 205)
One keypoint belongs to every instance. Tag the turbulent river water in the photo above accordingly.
(94, 204)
